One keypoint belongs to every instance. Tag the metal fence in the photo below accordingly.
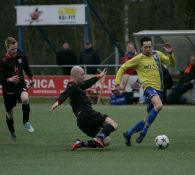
(57, 70)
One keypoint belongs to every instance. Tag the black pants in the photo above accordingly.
(90, 122)
(175, 95)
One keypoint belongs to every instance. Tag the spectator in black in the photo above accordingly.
(65, 56)
(89, 56)
(183, 85)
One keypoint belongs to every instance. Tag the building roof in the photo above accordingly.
(164, 32)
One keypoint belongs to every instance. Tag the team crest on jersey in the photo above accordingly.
(20, 60)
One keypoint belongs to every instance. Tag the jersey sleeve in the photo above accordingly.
(67, 92)
(167, 59)
(88, 83)
(129, 64)
(27, 68)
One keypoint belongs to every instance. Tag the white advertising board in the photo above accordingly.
(50, 15)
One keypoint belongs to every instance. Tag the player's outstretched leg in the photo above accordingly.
(78, 144)
(140, 137)
(136, 128)
(93, 143)
(151, 117)
(108, 127)
(127, 139)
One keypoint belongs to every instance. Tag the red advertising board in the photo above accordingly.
(48, 86)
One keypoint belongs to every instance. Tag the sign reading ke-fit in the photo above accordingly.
(48, 86)
(50, 15)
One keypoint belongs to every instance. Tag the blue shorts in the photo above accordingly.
(149, 93)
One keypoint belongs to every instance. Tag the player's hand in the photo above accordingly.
(31, 84)
(54, 106)
(102, 74)
(14, 79)
(168, 48)
(117, 89)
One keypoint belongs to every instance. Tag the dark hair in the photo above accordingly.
(65, 42)
(145, 39)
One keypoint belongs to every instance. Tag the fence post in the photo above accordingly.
(116, 59)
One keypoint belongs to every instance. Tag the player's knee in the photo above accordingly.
(115, 125)
(159, 106)
(25, 98)
(107, 141)
(111, 122)
(25, 101)
(10, 114)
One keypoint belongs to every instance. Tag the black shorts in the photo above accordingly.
(90, 122)
(11, 98)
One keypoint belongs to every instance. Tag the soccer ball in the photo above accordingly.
(161, 141)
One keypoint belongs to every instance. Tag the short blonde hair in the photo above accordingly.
(9, 41)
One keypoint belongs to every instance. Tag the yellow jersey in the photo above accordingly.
(147, 68)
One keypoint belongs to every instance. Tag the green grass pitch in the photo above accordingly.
(47, 150)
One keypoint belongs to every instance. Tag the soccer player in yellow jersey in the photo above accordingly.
(148, 67)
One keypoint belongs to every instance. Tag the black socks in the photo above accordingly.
(26, 112)
(10, 124)
(89, 143)
(107, 129)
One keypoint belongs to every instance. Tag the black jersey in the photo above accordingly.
(77, 94)
(11, 66)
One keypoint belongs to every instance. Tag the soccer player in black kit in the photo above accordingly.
(14, 87)
(92, 123)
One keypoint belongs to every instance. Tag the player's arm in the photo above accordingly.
(4, 79)
(172, 59)
(88, 83)
(168, 59)
(123, 68)
(28, 72)
(63, 96)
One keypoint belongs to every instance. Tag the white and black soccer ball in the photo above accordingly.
(162, 141)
